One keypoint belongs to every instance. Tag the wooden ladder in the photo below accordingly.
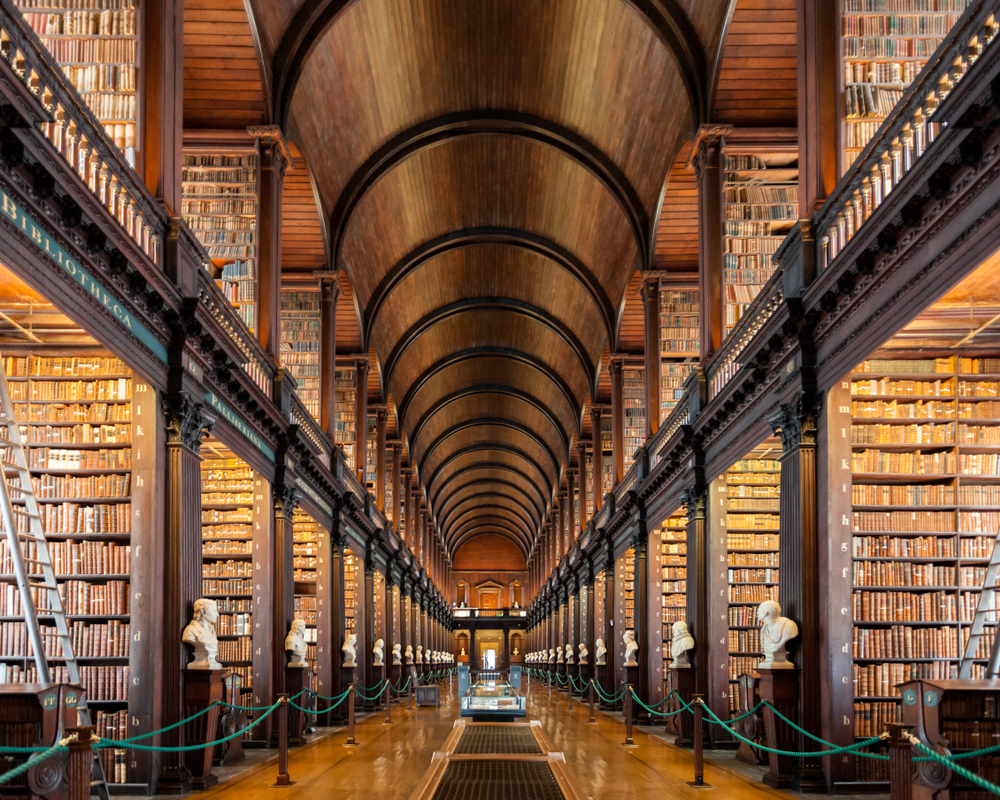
(33, 570)
(986, 607)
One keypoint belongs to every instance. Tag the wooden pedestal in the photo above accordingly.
(297, 679)
(603, 679)
(348, 677)
(562, 681)
(202, 688)
(780, 687)
(682, 725)
(632, 679)
(750, 727)
(376, 695)
(230, 721)
(395, 671)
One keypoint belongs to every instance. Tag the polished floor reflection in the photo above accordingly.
(390, 760)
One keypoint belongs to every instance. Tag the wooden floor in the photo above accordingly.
(389, 760)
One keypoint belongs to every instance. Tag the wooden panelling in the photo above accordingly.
(488, 553)
(677, 229)
(630, 331)
(222, 78)
(757, 78)
(302, 248)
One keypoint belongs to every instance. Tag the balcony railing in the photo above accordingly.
(905, 135)
(488, 613)
(355, 486)
(79, 138)
(679, 415)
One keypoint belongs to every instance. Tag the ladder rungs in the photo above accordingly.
(21, 513)
(35, 561)
(31, 538)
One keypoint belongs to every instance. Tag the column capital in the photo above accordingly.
(796, 422)
(708, 144)
(694, 501)
(650, 288)
(187, 421)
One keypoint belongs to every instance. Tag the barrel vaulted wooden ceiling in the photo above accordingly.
(490, 174)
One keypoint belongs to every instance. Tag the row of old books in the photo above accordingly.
(744, 641)
(235, 624)
(120, 433)
(752, 541)
(736, 559)
(57, 486)
(752, 593)
(753, 575)
(884, 386)
(903, 434)
(76, 518)
(61, 414)
(230, 587)
(113, 725)
(902, 573)
(895, 409)
(226, 569)
(752, 503)
(89, 640)
(903, 547)
(116, 389)
(902, 495)
(56, 458)
(64, 366)
(939, 606)
(916, 462)
(240, 649)
(100, 682)
(902, 641)
(882, 680)
(226, 547)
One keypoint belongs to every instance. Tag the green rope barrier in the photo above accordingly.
(16, 751)
(111, 743)
(848, 749)
(374, 697)
(325, 710)
(400, 689)
(684, 706)
(241, 708)
(753, 710)
(971, 754)
(41, 756)
(323, 697)
(378, 685)
(948, 762)
(607, 698)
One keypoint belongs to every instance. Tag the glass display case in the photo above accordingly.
(490, 701)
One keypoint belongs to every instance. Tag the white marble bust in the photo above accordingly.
(408, 655)
(350, 651)
(200, 634)
(682, 643)
(295, 643)
(378, 652)
(552, 655)
(559, 655)
(602, 652)
(397, 655)
(420, 654)
(427, 656)
(568, 651)
(775, 632)
(463, 651)
(582, 660)
(516, 651)
(631, 649)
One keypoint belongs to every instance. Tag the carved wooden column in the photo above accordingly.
(640, 614)
(581, 458)
(397, 485)
(588, 631)
(381, 415)
(421, 549)
(406, 529)
(597, 477)
(370, 636)
(610, 679)
(330, 614)
(405, 616)
(708, 162)
(329, 292)
(560, 517)
(798, 554)
(158, 156)
(186, 421)
(617, 421)
(697, 566)
(390, 609)
(362, 366)
(571, 504)
(650, 291)
(816, 37)
(283, 566)
(273, 162)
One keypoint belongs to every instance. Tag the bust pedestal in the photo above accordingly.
(682, 725)
(604, 680)
(395, 671)
(297, 679)
(562, 670)
(780, 687)
(202, 687)
(632, 679)
(582, 678)
(230, 721)
(348, 676)
(376, 695)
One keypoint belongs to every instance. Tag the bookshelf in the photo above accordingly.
(680, 323)
(607, 446)
(300, 343)
(672, 377)
(97, 50)
(634, 401)
(882, 54)
(345, 391)
(390, 512)
(371, 451)
(351, 576)
(628, 587)
(305, 563)
(673, 566)
(219, 204)
(589, 484)
(761, 203)
(227, 487)
(925, 500)
(752, 505)
(77, 415)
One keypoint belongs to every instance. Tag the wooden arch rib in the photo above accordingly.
(477, 499)
(490, 422)
(492, 466)
(526, 502)
(493, 515)
(471, 304)
(314, 17)
(476, 352)
(485, 446)
(492, 528)
(489, 122)
(507, 391)
(490, 502)
(477, 237)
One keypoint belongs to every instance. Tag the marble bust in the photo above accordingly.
(517, 652)
(775, 632)
(559, 655)
(552, 655)
(569, 653)
(295, 643)
(631, 649)
(682, 643)
(349, 650)
(378, 652)
(427, 656)
(582, 660)
(420, 654)
(408, 655)
(463, 652)
(397, 656)
(602, 652)
(200, 634)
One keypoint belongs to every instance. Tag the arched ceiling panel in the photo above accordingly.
(496, 370)
(509, 461)
(487, 515)
(491, 503)
(488, 536)
(475, 481)
(481, 405)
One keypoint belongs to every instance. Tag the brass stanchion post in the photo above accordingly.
(351, 742)
(699, 745)
(282, 780)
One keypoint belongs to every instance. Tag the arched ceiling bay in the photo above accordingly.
(491, 173)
